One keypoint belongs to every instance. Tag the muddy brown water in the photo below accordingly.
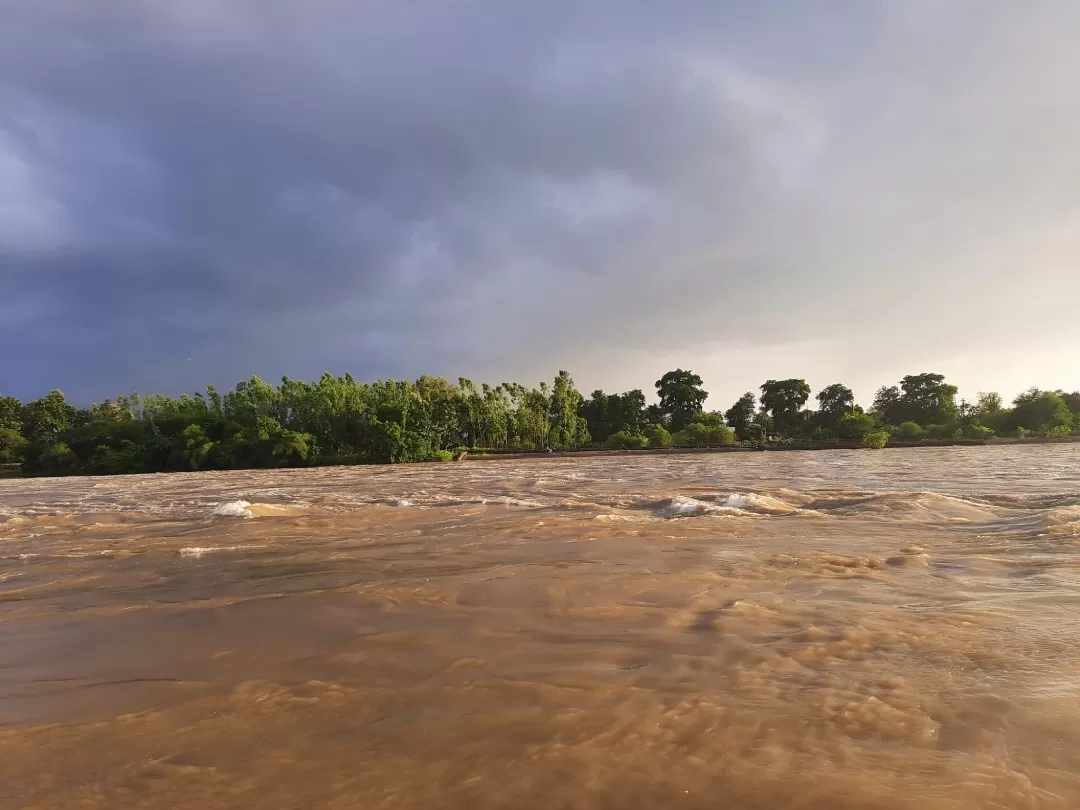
(893, 629)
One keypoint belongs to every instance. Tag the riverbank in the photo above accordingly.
(11, 471)
(762, 447)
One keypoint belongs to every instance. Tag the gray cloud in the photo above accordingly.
(199, 191)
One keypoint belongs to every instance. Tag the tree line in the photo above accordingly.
(338, 420)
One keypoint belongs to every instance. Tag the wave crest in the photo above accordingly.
(240, 509)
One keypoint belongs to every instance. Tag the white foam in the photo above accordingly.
(240, 509)
(683, 506)
(760, 503)
(404, 503)
(198, 551)
(506, 500)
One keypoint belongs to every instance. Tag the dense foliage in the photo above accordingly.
(341, 420)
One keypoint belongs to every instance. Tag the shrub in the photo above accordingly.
(625, 440)
(909, 431)
(944, 432)
(12, 447)
(875, 439)
(56, 459)
(658, 436)
(443, 455)
(854, 426)
(698, 435)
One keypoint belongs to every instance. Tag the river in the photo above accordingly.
(837, 629)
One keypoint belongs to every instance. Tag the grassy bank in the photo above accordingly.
(762, 447)
(8, 471)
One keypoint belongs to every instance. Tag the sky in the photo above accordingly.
(841, 191)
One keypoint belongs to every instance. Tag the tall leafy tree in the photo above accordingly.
(887, 405)
(46, 418)
(988, 403)
(250, 400)
(1072, 401)
(1041, 412)
(989, 411)
(681, 397)
(10, 414)
(12, 446)
(928, 400)
(852, 426)
(628, 411)
(441, 402)
(568, 430)
(607, 414)
(834, 401)
(594, 411)
(740, 416)
(784, 400)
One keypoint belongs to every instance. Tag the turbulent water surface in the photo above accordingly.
(894, 629)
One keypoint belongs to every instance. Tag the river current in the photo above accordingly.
(834, 629)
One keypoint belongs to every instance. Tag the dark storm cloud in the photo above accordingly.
(198, 191)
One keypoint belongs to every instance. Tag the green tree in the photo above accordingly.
(340, 420)
(191, 449)
(712, 419)
(1072, 401)
(740, 416)
(626, 411)
(610, 413)
(568, 430)
(55, 459)
(108, 443)
(46, 418)
(853, 426)
(784, 400)
(834, 401)
(989, 412)
(1042, 412)
(290, 447)
(594, 411)
(442, 406)
(11, 414)
(681, 397)
(887, 405)
(249, 401)
(12, 447)
(531, 416)
(988, 403)
(928, 399)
